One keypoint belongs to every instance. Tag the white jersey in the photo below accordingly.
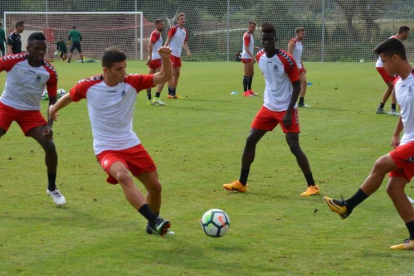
(297, 52)
(404, 92)
(156, 38)
(248, 41)
(111, 110)
(280, 71)
(25, 84)
(379, 61)
(179, 36)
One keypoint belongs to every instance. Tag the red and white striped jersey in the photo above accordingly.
(156, 38)
(25, 83)
(111, 109)
(248, 41)
(179, 36)
(280, 71)
(404, 92)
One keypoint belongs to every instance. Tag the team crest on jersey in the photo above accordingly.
(38, 79)
(275, 68)
(123, 94)
(410, 91)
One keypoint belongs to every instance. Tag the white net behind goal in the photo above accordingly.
(99, 31)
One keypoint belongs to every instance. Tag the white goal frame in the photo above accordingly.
(138, 38)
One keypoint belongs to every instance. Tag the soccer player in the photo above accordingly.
(403, 33)
(399, 162)
(75, 36)
(27, 75)
(14, 44)
(280, 96)
(248, 60)
(177, 39)
(61, 47)
(295, 48)
(3, 40)
(116, 146)
(154, 60)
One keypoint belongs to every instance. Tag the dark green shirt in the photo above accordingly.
(2, 36)
(75, 35)
(61, 46)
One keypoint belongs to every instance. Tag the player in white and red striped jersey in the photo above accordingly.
(154, 60)
(281, 93)
(295, 48)
(177, 39)
(27, 76)
(399, 163)
(111, 99)
(248, 60)
(403, 33)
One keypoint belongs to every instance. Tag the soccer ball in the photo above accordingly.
(45, 96)
(57, 52)
(215, 223)
(61, 93)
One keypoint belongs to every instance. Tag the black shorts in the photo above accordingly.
(64, 51)
(76, 45)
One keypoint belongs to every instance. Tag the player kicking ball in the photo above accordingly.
(27, 76)
(399, 163)
(280, 96)
(111, 97)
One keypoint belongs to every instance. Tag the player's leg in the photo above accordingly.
(393, 111)
(382, 166)
(154, 188)
(151, 71)
(176, 76)
(395, 190)
(248, 77)
(80, 51)
(2, 132)
(157, 99)
(385, 96)
(72, 47)
(303, 86)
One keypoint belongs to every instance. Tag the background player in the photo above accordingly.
(61, 47)
(154, 60)
(14, 43)
(295, 48)
(177, 39)
(403, 33)
(399, 162)
(248, 60)
(27, 75)
(117, 148)
(279, 107)
(75, 36)
(3, 40)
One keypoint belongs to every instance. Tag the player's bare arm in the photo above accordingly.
(53, 109)
(167, 43)
(166, 72)
(150, 46)
(250, 54)
(9, 49)
(291, 47)
(396, 137)
(287, 119)
(47, 131)
(185, 46)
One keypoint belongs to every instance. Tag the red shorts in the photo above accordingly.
(301, 69)
(136, 160)
(385, 76)
(246, 60)
(267, 120)
(403, 157)
(155, 64)
(175, 61)
(27, 119)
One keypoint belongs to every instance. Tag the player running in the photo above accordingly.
(280, 96)
(295, 48)
(399, 162)
(177, 39)
(154, 60)
(117, 148)
(402, 35)
(27, 75)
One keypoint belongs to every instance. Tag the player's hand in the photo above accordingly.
(52, 113)
(148, 62)
(164, 52)
(304, 70)
(47, 132)
(188, 54)
(395, 141)
(287, 119)
(257, 48)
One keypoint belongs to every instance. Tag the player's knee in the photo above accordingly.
(392, 191)
(251, 142)
(50, 147)
(155, 188)
(123, 178)
(177, 74)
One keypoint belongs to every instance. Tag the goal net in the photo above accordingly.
(99, 30)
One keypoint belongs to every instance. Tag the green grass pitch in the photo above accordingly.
(197, 144)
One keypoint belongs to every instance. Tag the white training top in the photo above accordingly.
(25, 84)
(379, 61)
(111, 110)
(179, 36)
(248, 41)
(280, 71)
(297, 52)
(404, 92)
(156, 38)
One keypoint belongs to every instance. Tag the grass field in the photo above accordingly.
(197, 144)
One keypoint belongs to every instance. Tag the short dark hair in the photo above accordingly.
(158, 20)
(73, 27)
(268, 28)
(36, 36)
(390, 47)
(299, 29)
(403, 29)
(19, 23)
(111, 56)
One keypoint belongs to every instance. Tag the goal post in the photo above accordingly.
(99, 30)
